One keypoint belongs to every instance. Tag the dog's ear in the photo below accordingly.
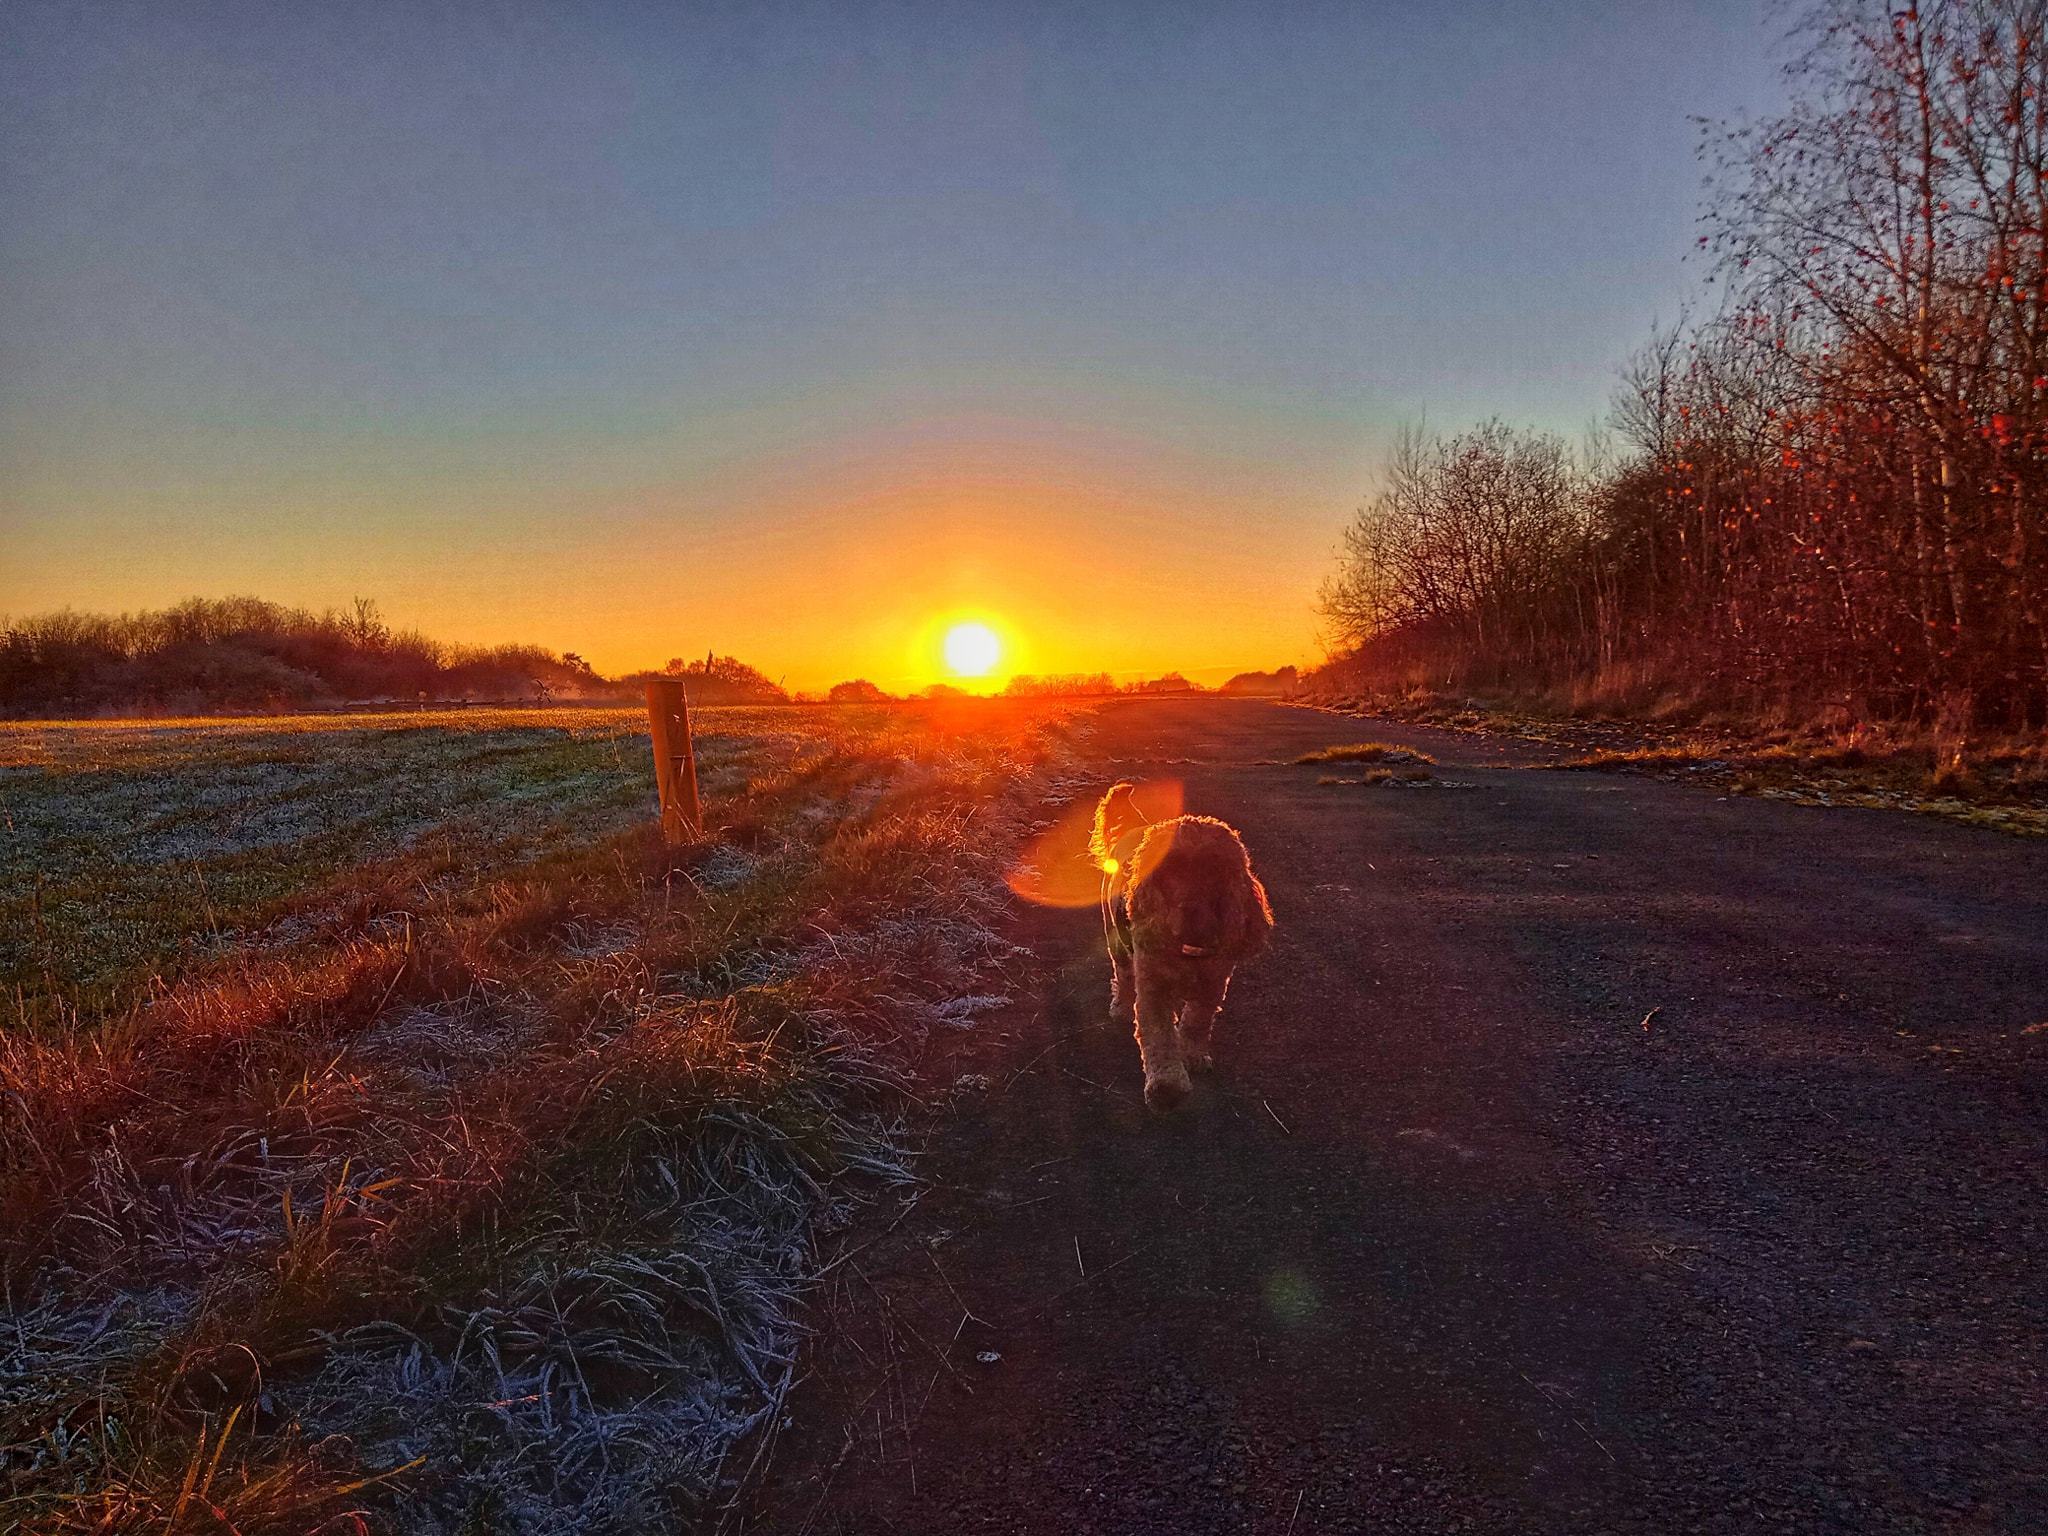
(1117, 819)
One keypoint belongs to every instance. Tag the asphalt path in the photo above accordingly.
(1587, 1153)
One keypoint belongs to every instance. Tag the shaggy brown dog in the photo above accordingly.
(1180, 908)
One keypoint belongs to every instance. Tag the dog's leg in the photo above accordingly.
(1197, 1026)
(1123, 985)
(1166, 1075)
(1123, 988)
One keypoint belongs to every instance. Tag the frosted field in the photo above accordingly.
(392, 1123)
(131, 847)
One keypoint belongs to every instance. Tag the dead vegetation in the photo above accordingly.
(1374, 777)
(478, 1188)
(1365, 752)
(2002, 786)
(1827, 485)
(1984, 779)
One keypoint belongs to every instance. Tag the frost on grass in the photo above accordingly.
(54, 1357)
(493, 1168)
(600, 1381)
(127, 846)
(962, 1012)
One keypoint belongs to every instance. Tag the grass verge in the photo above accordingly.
(1999, 783)
(473, 1186)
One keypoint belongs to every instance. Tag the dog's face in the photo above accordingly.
(1195, 898)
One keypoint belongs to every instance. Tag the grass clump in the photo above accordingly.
(1374, 776)
(1365, 752)
(1821, 754)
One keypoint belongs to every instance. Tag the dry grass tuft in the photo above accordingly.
(1365, 752)
(1377, 776)
(2003, 786)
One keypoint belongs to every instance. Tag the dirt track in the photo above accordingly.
(1455, 1241)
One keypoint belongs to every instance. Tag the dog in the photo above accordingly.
(1180, 909)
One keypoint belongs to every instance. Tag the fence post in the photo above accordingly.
(675, 759)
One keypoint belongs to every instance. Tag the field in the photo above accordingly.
(397, 1134)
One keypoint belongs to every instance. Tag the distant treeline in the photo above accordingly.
(1832, 496)
(242, 654)
(1080, 685)
(245, 654)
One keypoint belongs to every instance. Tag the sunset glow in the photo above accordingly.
(633, 634)
(972, 650)
(775, 336)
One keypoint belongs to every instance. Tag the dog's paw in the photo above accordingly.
(1165, 1093)
(1200, 1061)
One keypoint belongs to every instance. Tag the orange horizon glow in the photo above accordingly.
(1081, 550)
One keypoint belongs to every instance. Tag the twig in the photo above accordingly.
(1277, 1120)
(903, 1325)
(1077, 1257)
(1070, 1289)
(971, 1317)
(1594, 1438)
(1297, 1510)
(1651, 1015)
(909, 1442)
(1544, 1393)
(1073, 1034)
(908, 1206)
(842, 1258)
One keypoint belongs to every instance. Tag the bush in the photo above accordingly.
(208, 655)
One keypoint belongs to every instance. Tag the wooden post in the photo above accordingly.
(675, 759)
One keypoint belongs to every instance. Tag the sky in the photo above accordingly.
(793, 331)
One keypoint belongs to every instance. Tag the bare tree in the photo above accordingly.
(1472, 542)
(1837, 485)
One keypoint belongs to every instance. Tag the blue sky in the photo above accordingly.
(482, 307)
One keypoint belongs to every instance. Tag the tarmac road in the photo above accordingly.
(1587, 1153)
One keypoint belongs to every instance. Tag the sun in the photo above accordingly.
(972, 650)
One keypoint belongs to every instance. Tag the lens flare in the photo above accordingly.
(1057, 870)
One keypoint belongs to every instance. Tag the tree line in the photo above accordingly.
(243, 653)
(1830, 493)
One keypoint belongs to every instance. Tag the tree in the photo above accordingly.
(1835, 488)
(1470, 544)
(726, 680)
(1888, 238)
(365, 626)
(856, 691)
